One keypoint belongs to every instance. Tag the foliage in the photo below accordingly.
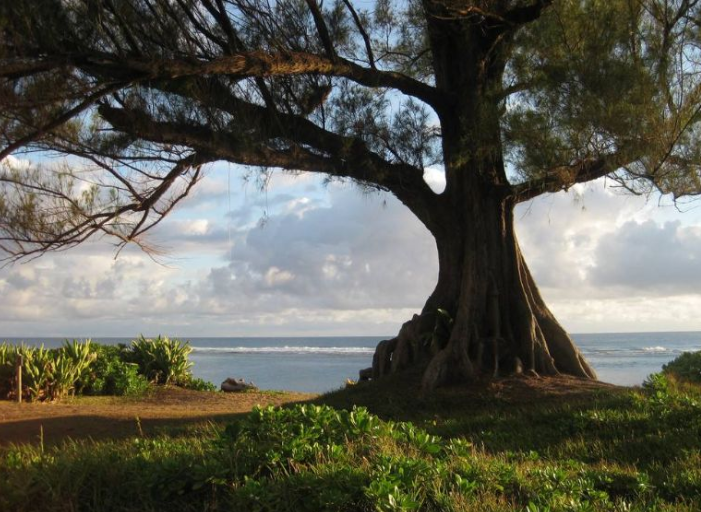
(686, 367)
(46, 373)
(372, 84)
(614, 451)
(94, 369)
(162, 360)
(112, 375)
(82, 355)
(197, 384)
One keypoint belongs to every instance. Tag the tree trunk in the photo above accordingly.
(500, 324)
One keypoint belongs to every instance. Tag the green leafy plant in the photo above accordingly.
(110, 374)
(37, 372)
(162, 360)
(197, 384)
(81, 355)
(685, 367)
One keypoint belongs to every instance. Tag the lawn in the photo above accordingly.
(512, 444)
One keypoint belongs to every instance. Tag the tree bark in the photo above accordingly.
(500, 323)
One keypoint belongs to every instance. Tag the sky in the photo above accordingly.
(307, 258)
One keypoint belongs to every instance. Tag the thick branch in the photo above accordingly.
(562, 178)
(313, 150)
(527, 13)
(240, 65)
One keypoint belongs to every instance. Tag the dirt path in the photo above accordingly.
(114, 417)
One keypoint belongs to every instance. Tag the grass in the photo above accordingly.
(518, 444)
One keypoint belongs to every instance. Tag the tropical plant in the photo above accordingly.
(37, 371)
(162, 360)
(82, 355)
(8, 362)
(112, 374)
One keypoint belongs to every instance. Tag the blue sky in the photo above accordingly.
(305, 258)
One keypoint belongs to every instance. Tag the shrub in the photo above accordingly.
(81, 356)
(197, 384)
(90, 368)
(8, 357)
(685, 367)
(162, 360)
(112, 375)
(46, 373)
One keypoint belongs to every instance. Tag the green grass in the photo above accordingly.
(507, 446)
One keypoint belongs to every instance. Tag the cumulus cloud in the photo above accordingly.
(359, 252)
(661, 259)
(301, 258)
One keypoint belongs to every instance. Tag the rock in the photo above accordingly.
(365, 374)
(232, 385)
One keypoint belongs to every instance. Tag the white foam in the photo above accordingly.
(286, 350)
(655, 349)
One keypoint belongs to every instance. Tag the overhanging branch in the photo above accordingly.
(240, 65)
(563, 177)
(313, 150)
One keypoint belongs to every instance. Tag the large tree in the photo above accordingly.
(512, 98)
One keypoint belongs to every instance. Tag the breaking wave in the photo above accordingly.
(340, 351)
(656, 349)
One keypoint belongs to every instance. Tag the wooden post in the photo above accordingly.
(19, 378)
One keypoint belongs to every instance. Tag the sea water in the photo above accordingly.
(318, 364)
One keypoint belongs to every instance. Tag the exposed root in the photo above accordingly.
(501, 327)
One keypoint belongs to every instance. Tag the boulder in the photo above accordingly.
(232, 385)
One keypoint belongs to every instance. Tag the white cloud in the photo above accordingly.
(306, 259)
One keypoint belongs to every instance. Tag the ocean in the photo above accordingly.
(318, 364)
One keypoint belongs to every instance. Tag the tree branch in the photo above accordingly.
(322, 29)
(239, 65)
(62, 119)
(562, 178)
(313, 149)
(527, 13)
(363, 33)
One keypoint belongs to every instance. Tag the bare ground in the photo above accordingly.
(165, 408)
(117, 417)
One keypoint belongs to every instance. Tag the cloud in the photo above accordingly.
(658, 259)
(304, 259)
(359, 252)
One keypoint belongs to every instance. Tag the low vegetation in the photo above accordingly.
(93, 369)
(601, 449)
(686, 367)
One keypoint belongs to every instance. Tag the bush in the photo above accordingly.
(94, 369)
(46, 373)
(112, 375)
(197, 384)
(686, 367)
(162, 360)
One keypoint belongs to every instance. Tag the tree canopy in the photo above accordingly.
(145, 92)
(511, 98)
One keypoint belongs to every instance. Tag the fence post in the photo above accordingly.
(19, 378)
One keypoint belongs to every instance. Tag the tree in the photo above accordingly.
(140, 94)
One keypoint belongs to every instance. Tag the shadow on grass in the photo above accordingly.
(559, 418)
(56, 429)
